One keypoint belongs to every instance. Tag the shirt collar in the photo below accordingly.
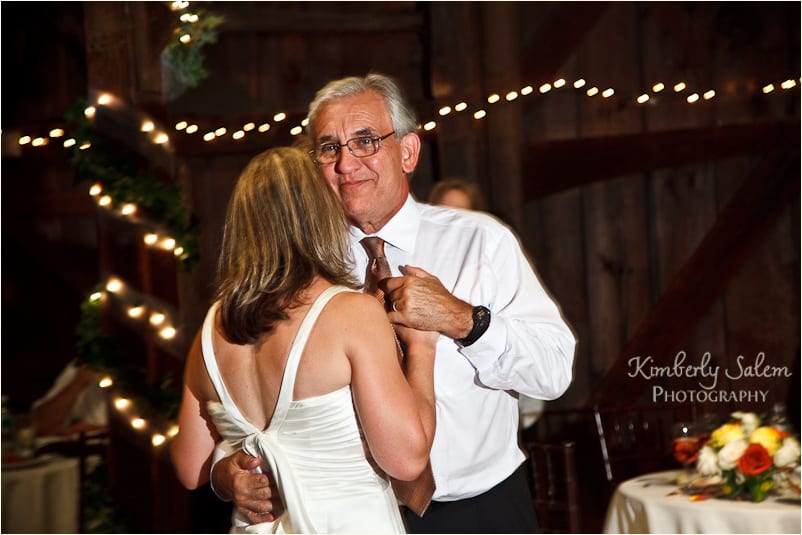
(400, 232)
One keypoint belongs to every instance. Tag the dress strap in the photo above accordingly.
(214, 372)
(296, 350)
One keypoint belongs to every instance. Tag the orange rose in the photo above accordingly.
(755, 460)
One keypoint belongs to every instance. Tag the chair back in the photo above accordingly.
(555, 488)
(636, 439)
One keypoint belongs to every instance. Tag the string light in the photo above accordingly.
(69, 143)
(296, 130)
(138, 423)
(127, 208)
(122, 403)
(679, 87)
(693, 97)
(279, 117)
(181, 125)
(90, 111)
(545, 88)
(609, 92)
(643, 98)
(105, 382)
(512, 95)
(104, 200)
(492, 99)
(136, 312)
(150, 238)
(445, 110)
(592, 92)
(659, 86)
(462, 106)
(579, 84)
(431, 125)
(114, 285)
(56, 132)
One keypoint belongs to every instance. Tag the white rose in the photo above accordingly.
(788, 454)
(749, 421)
(707, 464)
(728, 455)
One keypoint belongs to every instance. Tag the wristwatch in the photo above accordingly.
(481, 321)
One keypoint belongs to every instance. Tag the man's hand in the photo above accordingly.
(254, 495)
(422, 302)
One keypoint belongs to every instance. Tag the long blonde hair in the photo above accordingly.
(284, 226)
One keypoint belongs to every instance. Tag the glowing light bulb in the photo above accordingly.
(138, 423)
(768, 88)
(305, 122)
(480, 114)
(296, 130)
(161, 139)
(709, 94)
(431, 125)
(220, 131)
(264, 127)
(208, 136)
(168, 333)
(643, 98)
(579, 83)
(492, 99)
(527, 90)
(104, 200)
(248, 127)
(279, 117)
(692, 98)
(56, 132)
(239, 134)
(39, 142)
(114, 285)
(178, 251)
(156, 319)
(512, 95)
(95, 190)
(462, 106)
(95, 297)
(186, 38)
(168, 244)
(678, 87)
(172, 431)
(559, 83)
(128, 209)
(181, 125)
(85, 145)
(104, 99)
(147, 126)
(69, 143)
(191, 129)
(593, 91)
(445, 110)
(788, 84)
(158, 439)
(24, 140)
(659, 86)
(90, 111)
(136, 311)
(122, 403)
(545, 88)
(150, 238)
(105, 382)
(609, 92)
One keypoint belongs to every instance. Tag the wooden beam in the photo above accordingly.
(738, 231)
(555, 166)
(326, 19)
(562, 26)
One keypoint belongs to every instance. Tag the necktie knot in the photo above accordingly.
(374, 246)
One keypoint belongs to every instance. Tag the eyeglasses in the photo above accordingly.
(360, 147)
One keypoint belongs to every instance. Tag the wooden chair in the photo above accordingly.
(636, 439)
(554, 484)
(88, 448)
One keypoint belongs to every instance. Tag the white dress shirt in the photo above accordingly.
(528, 347)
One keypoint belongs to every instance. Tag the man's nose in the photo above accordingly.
(345, 160)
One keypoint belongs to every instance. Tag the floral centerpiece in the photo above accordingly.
(749, 458)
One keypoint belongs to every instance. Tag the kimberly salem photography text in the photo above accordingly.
(707, 376)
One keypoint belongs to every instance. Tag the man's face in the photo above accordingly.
(372, 189)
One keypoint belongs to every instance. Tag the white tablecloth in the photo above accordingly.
(40, 496)
(647, 504)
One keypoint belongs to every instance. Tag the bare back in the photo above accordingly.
(253, 373)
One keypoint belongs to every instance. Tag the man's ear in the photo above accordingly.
(410, 152)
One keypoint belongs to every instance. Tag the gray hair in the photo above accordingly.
(401, 114)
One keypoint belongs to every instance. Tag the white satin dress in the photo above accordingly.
(314, 447)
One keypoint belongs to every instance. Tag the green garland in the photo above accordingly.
(154, 401)
(183, 62)
(121, 176)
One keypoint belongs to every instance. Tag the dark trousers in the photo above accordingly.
(506, 508)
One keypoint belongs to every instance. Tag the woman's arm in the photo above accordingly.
(191, 449)
(395, 405)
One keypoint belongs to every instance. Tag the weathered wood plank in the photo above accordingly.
(740, 228)
(553, 166)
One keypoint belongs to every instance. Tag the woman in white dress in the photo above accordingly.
(298, 368)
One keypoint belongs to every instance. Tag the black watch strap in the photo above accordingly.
(481, 321)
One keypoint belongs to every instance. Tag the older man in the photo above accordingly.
(457, 272)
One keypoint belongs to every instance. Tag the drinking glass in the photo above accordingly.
(686, 445)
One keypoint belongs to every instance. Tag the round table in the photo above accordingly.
(650, 504)
(40, 495)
